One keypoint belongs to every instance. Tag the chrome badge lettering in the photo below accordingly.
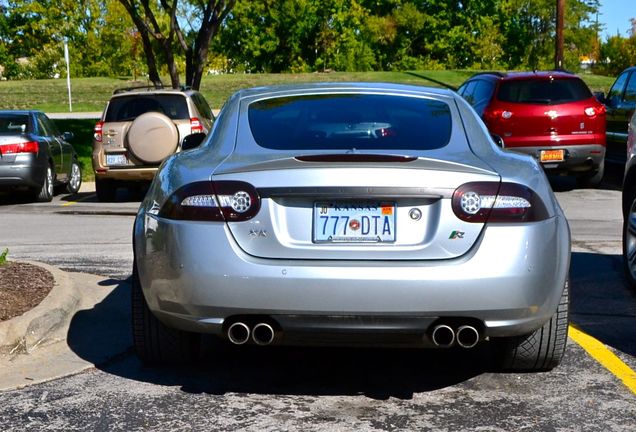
(256, 233)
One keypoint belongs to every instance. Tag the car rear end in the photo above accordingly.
(552, 116)
(364, 217)
(22, 161)
(112, 153)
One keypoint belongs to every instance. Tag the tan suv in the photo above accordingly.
(139, 128)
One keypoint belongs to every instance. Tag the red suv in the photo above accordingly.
(552, 116)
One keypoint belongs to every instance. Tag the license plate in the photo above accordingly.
(354, 222)
(552, 156)
(116, 159)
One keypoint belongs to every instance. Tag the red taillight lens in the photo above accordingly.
(481, 202)
(23, 147)
(195, 125)
(593, 111)
(231, 201)
(98, 131)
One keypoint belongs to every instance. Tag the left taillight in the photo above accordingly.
(481, 202)
(23, 147)
(98, 131)
(195, 125)
(230, 201)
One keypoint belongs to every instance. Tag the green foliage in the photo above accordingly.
(298, 36)
(3, 256)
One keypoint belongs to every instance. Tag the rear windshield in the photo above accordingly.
(350, 121)
(11, 124)
(544, 91)
(126, 108)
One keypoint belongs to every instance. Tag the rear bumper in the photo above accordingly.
(196, 278)
(123, 173)
(23, 172)
(578, 158)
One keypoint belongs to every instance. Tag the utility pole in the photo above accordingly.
(558, 52)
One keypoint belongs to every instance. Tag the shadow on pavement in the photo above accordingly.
(602, 303)
(99, 333)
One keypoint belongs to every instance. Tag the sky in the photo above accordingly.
(615, 14)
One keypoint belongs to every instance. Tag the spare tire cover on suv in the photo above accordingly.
(152, 137)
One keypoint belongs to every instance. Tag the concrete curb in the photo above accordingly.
(47, 322)
(96, 318)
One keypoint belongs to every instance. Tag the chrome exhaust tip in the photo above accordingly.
(263, 334)
(467, 336)
(238, 333)
(443, 336)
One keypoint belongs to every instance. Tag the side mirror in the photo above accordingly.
(600, 96)
(498, 140)
(192, 141)
(68, 136)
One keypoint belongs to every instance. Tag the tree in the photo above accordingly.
(163, 38)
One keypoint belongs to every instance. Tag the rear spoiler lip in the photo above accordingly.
(356, 157)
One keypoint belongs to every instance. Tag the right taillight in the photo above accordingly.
(23, 147)
(230, 201)
(98, 131)
(481, 202)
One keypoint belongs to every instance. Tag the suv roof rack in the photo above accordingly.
(497, 73)
(150, 88)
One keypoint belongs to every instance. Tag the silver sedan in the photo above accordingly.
(351, 214)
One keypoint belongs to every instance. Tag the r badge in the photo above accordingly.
(456, 235)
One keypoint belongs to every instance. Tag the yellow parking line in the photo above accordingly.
(605, 357)
(69, 203)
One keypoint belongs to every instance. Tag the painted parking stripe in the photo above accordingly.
(598, 351)
(70, 203)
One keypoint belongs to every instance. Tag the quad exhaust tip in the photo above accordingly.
(263, 334)
(467, 336)
(443, 336)
(238, 333)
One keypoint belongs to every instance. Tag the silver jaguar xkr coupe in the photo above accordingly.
(351, 214)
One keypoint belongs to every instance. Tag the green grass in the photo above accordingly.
(91, 94)
(82, 142)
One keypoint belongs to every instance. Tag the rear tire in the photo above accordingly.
(629, 236)
(45, 194)
(154, 342)
(106, 190)
(592, 180)
(75, 178)
(541, 350)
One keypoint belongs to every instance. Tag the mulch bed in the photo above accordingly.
(22, 287)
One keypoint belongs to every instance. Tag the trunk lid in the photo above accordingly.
(355, 210)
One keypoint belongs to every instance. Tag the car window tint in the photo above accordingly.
(483, 91)
(618, 87)
(543, 91)
(468, 92)
(350, 121)
(11, 124)
(127, 108)
(42, 127)
(630, 90)
(202, 106)
(50, 127)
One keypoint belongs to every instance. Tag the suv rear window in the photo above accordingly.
(127, 108)
(543, 91)
(350, 121)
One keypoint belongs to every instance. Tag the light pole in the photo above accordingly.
(558, 52)
(68, 74)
